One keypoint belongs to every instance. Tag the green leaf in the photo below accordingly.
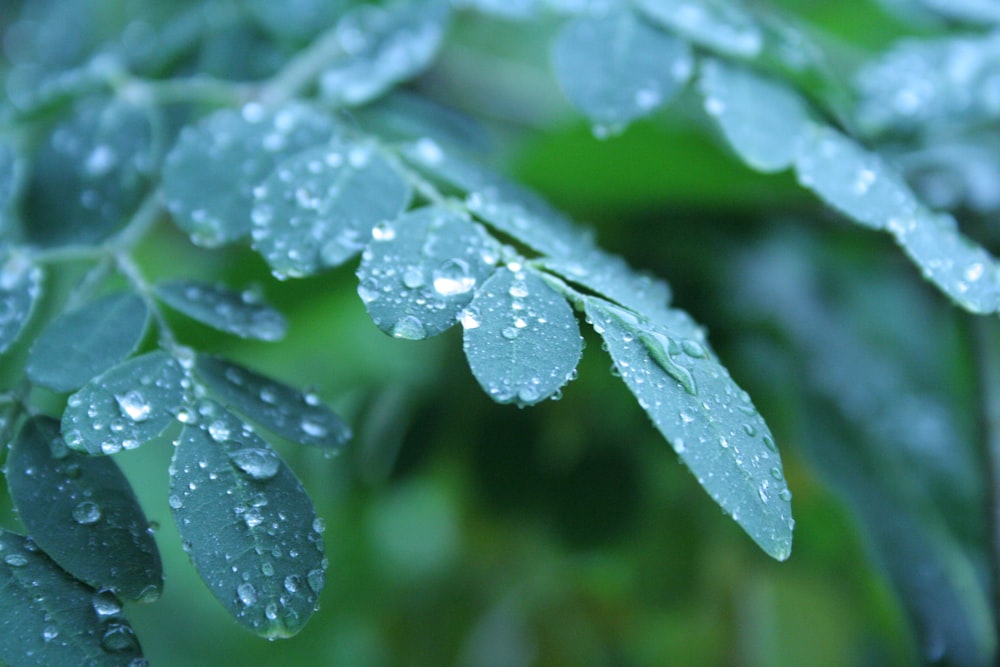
(317, 209)
(237, 313)
(617, 68)
(125, 406)
(521, 337)
(722, 25)
(81, 344)
(421, 270)
(49, 618)
(90, 174)
(82, 512)
(210, 173)
(296, 19)
(287, 412)
(20, 288)
(763, 120)
(382, 47)
(708, 419)
(10, 183)
(247, 523)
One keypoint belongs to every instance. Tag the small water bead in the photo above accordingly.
(313, 428)
(292, 583)
(316, 579)
(383, 231)
(134, 406)
(413, 277)
(175, 502)
(15, 560)
(87, 513)
(410, 328)
(260, 464)
(267, 568)
(50, 632)
(785, 495)
(271, 611)
(219, 431)
(247, 594)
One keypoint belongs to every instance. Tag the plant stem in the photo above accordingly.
(987, 341)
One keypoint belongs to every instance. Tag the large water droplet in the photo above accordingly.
(134, 406)
(119, 638)
(86, 513)
(315, 579)
(259, 464)
(409, 327)
(106, 604)
(453, 277)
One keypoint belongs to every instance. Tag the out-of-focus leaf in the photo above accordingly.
(297, 19)
(83, 513)
(722, 25)
(242, 314)
(10, 182)
(81, 344)
(20, 288)
(247, 523)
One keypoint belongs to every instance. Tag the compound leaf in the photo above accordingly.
(521, 337)
(20, 288)
(616, 69)
(125, 406)
(287, 412)
(239, 313)
(49, 618)
(247, 523)
(704, 415)
(83, 513)
(85, 342)
(722, 25)
(318, 208)
(421, 270)
(210, 173)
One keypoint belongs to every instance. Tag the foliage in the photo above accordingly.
(158, 159)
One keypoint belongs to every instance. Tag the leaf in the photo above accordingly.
(420, 271)
(83, 513)
(617, 68)
(248, 525)
(210, 173)
(20, 288)
(722, 25)
(49, 618)
(11, 166)
(763, 120)
(298, 20)
(704, 415)
(125, 406)
(383, 46)
(287, 412)
(81, 344)
(521, 337)
(90, 174)
(318, 208)
(237, 313)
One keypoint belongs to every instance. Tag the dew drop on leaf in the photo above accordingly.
(260, 464)
(87, 512)
(134, 406)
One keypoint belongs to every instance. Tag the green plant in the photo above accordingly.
(288, 132)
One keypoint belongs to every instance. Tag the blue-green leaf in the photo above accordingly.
(49, 618)
(763, 120)
(617, 68)
(20, 288)
(296, 19)
(287, 412)
(247, 523)
(318, 208)
(126, 406)
(84, 343)
(421, 270)
(708, 419)
(210, 174)
(383, 45)
(83, 513)
(521, 337)
(239, 313)
(10, 182)
(722, 25)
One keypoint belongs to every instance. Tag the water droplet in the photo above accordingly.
(267, 568)
(316, 579)
(410, 328)
(106, 604)
(15, 560)
(769, 443)
(383, 231)
(318, 525)
(785, 495)
(313, 428)
(119, 638)
(453, 277)
(247, 594)
(693, 348)
(776, 473)
(292, 583)
(175, 502)
(86, 513)
(413, 277)
(260, 464)
(134, 406)
(518, 290)
(219, 431)
(469, 318)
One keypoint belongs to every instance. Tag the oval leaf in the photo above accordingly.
(521, 337)
(420, 271)
(616, 69)
(318, 208)
(247, 523)
(237, 313)
(722, 25)
(49, 618)
(284, 411)
(126, 406)
(81, 510)
(84, 343)
(20, 287)
(708, 419)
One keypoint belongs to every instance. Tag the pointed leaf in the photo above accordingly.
(237, 313)
(521, 337)
(763, 120)
(126, 406)
(81, 510)
(708, 419)
(383, 46)
(210, 174)
(284, 411)
(49, 618)
(84, 343)
(420, 271)
(318, 208)
(247, 523)
(617, 68)
(20, 288)
(722, 25)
